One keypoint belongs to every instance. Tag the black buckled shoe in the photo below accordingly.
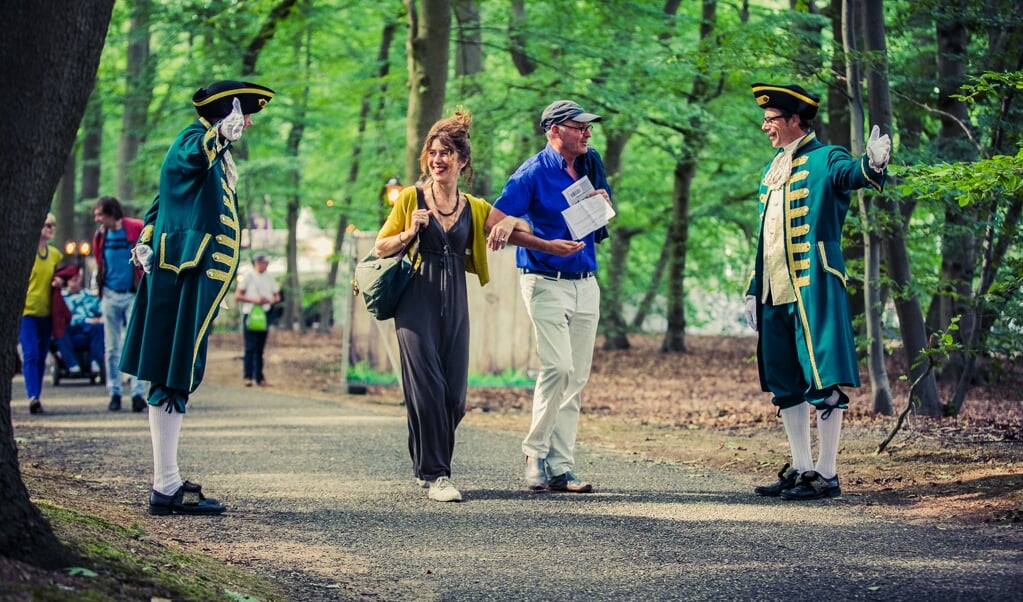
(787, 478)
(188, 499)
(812, 486)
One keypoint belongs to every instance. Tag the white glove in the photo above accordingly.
(142, 256)
(879, 149)
(232, 126)
(751, 312)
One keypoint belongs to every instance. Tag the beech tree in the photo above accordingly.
(704, 89)
(138, 83)
(880, 388)
(891, 229)
(679, 136)
(427, 50)
(48, 58)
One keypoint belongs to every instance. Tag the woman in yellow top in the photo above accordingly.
(432, 318)
(36, 328)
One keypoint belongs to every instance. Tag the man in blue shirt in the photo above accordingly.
(117, 280)
(559, 286)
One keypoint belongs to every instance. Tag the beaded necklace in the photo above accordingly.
(458, 198)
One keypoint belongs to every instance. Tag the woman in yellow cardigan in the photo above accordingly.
(432, 318)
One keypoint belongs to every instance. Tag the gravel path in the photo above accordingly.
(320, 495)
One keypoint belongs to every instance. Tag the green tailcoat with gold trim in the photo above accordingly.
(817, 196)
(193, 229)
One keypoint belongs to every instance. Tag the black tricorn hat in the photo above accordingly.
(214, 101)
(791, 99)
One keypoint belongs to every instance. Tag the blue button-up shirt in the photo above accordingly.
(534, 193)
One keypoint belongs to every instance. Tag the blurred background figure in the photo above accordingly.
(37, 317)
(85, 331)
(117, 281)
(257, 292)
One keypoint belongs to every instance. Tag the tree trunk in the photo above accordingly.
(1008, 227)
(468, 63)
(427, 46)
(469, 43)
(92, 150)
(838, 131)
(138, 93)
(653, 290)
(49, 52)
(987, 277)
(293, 315)
(64, 204)
(678, 239)
(880, 115)
(958, 243)
(685, 173)
(250, 57)
(384, 67)
(912, 325)
(613, 323)
(520, 56)
(293, 306)
(907, 306)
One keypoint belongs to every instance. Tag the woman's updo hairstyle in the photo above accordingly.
(453, 133)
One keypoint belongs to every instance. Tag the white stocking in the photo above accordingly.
(797, 426)
(164, 430)
(829, 431)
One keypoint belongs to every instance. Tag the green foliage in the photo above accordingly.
(322, 60)
(999, 177)
(508, 378)
(361, 372)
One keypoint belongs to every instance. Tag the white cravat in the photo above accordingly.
(781, 167)
(230, 170)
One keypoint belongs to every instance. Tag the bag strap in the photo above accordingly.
(420, 203)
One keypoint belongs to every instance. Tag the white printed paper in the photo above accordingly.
(587, 210)
(578, 191)
(586, 215)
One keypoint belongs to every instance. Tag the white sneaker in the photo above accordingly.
(442, 490)
(94, 366)
(422, 483)
(76, 369)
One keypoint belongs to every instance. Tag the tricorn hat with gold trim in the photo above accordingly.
(214, 101)
(791, 98)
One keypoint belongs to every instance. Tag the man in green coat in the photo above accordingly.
(797, 299)
(189, 251)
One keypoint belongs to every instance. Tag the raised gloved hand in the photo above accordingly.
(232, 126)
(879, 149)
(751, 312)
(142, 256)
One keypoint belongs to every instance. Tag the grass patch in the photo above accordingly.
(124, 563)
(362, 373)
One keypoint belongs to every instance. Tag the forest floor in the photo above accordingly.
(705, 407)
(702, 408)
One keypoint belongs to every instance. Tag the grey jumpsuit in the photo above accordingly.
(432, 323)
